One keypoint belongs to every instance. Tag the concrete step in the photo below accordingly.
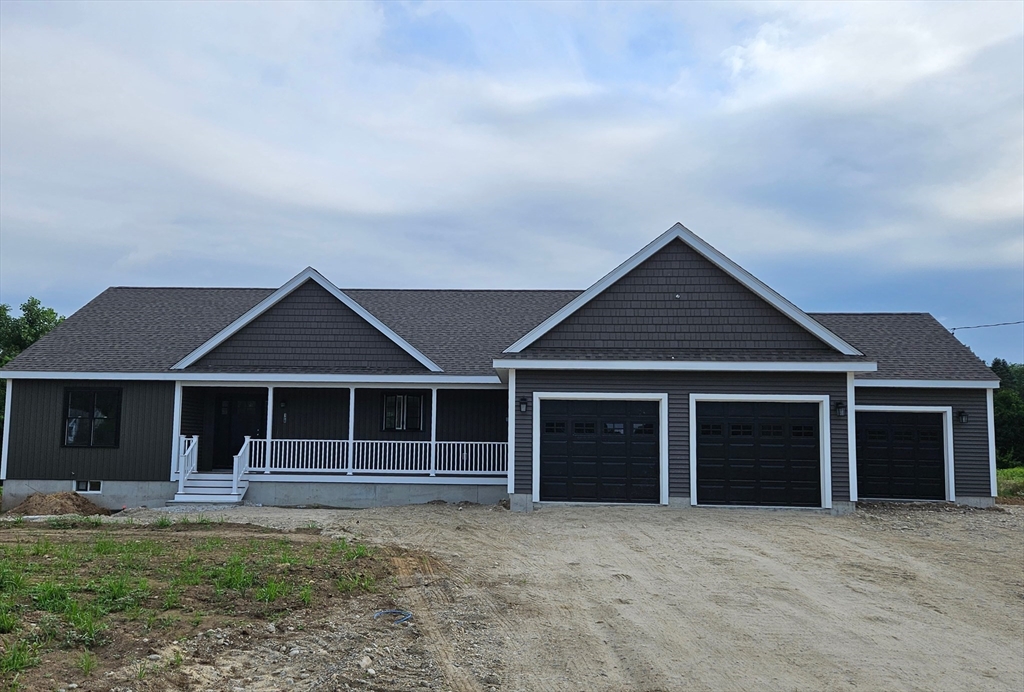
(217, 490)
(193, 481)
(224, 499)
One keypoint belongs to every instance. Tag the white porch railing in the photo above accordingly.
(241, 464)
(368, 457)
(188, 458)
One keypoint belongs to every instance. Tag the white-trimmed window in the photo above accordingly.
(88, 486)
(403, 412)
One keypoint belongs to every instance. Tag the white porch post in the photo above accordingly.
(351, 428)
(511, 443)
(7, 430)
(433, 431)
(270, 428)
(175, 431)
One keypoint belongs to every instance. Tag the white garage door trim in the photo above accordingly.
(662, 400)
(825, 443)
(947, 427)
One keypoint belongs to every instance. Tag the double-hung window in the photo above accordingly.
(92, 417)
(403, 412)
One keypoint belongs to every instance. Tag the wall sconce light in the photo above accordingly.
(841, 409)
(962, 416)
(523, 401)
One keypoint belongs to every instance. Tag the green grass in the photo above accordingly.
(1011, 481)
(87, 663)
(163, 522)
(17, 657)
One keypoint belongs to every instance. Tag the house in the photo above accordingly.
(678, 379)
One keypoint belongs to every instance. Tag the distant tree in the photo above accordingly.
(1008, 412)
(18, 333)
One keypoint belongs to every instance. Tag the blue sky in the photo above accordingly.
(856, 157)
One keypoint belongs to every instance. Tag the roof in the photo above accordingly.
(907, 346)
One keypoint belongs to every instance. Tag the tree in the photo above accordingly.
(18, 333)
(1008, 412)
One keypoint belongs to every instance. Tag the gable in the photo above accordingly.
(309, 331)
(713, 311)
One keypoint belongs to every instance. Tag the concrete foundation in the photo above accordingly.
(520, 502)
(362, 495)
(979, 502)
(840, 508)
(115, 494)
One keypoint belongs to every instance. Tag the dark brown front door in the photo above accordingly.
(237, 415)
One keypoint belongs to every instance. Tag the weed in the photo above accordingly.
(85, 628)
(87, 663)
(94, 521)
(357, 582)
(272, 591)
(172, 598)
(114, 594)
(19, 520)
(12, 581)
(203, 520)
(197, 618)
(306, 595)
(176, 660)
(348, 553)
(211, 544)
(163, 522)
(65, 522)
(141, 670)
(18, 656)
(104, 546)
(234, 575)
(312, 525)
(51, 597)
(8, 621)
(183, 519)
(42, 547)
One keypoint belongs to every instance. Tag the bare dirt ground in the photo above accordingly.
(633, 598)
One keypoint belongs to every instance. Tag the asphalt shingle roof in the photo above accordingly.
(148, 330)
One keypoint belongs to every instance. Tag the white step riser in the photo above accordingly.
(207, 499)
(220, 490)
(203, 483)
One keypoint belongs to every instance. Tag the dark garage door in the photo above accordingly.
(758, 454)
(900, 456)
(599, 451)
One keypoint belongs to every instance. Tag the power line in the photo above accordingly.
(980, 326)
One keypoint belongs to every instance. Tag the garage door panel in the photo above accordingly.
(900, 455)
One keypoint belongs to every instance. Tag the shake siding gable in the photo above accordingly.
(309, 331)
(641, 312)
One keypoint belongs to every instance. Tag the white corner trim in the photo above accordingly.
(737, 272)
(175, 431)
(851, 434)
(261, 379)
(689, 365)
(661, 398)
(307, 274)
(947, 426)
(824, 426)
(7, 430)
(990, 412)
(930, 384)
(511, 431)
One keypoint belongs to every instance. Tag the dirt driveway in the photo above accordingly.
(631, 598)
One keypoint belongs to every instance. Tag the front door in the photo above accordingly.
(237, 415)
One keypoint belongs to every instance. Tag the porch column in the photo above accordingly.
(270, 427)
(351, 427)
(433, 431)
(175, 433)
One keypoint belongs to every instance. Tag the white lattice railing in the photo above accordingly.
(188, 458)
(365, 457)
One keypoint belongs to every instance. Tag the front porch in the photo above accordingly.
(229, 437)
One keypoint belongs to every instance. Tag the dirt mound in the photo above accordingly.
(58, 503)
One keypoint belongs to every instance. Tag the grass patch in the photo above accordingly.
(1010, 481)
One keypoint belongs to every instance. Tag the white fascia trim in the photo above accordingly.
(511, 431)
(711, 366)
(947, 426)
(342, 478)
(824, 423)
(302, 277)
(260, 379)
(7, 430)
(851, 434)
(737, 272)
(930, 384)
(990, 411)
(661, 398)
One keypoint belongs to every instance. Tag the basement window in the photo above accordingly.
(403, 412)
(88, 486)
(92, 417)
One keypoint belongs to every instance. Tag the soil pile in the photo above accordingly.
(58, 503)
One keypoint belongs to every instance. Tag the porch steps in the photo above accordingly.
(210, 488)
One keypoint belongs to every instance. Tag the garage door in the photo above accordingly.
(758, 454)
(900, 456)
(599, 451)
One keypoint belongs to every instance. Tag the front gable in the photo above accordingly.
(679, 294)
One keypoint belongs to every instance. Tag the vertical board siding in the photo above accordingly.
(472, 415)
(679, 386)
(369, 423)
(970, 441)
(309, 331)
(193, 411)
(314, 413)
(37, 431)
(713, 311)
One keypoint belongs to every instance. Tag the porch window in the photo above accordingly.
(92, 417)
(403, 412)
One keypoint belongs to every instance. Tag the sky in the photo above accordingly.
(855, 157)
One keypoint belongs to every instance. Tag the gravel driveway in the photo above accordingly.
(644, 598)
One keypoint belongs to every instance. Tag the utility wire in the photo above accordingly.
(979, 326)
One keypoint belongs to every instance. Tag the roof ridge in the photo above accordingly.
(919, 312)
(474, 290)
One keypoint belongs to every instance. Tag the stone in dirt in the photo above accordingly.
(56, 504)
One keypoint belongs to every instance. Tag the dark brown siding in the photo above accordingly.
(309, 331)
(370, 416)
(37, 429)
(314, 413)
(713, 311)
(472, 415)
(970, 440)
(679, 386)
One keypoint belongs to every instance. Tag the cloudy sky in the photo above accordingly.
(856, 157)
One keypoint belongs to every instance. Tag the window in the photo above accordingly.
(555, 427)
(643, 428)
(771, 430)
(741, 430)
(878, 435)
(403, 412)
(802, 431)
(710, 429)
(899, 435)
(88, 486)
(579, 428)
(614, 428)
(928, 435)
(92, 417)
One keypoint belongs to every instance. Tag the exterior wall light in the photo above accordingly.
(962, 416)
(841, 409)
(522, 404)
